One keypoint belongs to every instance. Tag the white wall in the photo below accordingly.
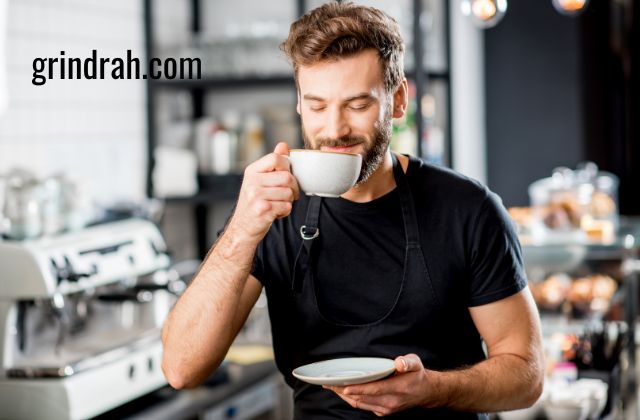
(92, 129)
(467, 96)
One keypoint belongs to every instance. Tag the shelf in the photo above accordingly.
(213, 188)
(430, 75)
(226, 82)
(567, 256)
(250, 82)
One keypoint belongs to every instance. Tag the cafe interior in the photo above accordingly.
(114, 188)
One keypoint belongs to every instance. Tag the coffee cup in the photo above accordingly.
(325, 174)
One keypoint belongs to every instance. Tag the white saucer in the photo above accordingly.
(347, 371)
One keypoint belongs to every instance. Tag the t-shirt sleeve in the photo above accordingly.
(496, 266)
(258, 270)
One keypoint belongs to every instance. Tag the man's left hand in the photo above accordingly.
(408, 388)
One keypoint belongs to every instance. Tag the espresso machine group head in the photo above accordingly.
(68, 348)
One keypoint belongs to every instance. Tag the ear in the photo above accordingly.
(401, 99)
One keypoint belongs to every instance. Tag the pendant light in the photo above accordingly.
(570, 7)
(484, 13)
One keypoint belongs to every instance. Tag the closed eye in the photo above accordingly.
(359, 107)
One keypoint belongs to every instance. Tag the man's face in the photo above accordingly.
(344, 107)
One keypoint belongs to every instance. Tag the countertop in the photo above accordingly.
(168, 403)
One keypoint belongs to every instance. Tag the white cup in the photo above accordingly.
(325, 174)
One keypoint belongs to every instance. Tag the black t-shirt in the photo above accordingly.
(355, 256)
(467, 239)
(464, 228)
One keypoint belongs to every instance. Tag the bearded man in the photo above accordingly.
(415, 263)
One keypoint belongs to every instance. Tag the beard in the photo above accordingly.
(373, 153)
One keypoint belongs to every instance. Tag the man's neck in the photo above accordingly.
(379, 183)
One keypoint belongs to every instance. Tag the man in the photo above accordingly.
(415, 263)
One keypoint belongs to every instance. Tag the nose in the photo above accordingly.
(336, 124)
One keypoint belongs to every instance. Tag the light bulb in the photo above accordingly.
(484, 13)
(570, 7)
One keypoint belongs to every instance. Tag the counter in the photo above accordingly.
(234, 391)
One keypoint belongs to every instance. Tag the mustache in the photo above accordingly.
(340, 142)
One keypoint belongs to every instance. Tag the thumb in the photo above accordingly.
(408, 363)
(281, 149)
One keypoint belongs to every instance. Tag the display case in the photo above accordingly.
(587, 294)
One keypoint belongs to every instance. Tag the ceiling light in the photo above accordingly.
(484, 13)
(570, 7)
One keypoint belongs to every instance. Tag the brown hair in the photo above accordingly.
(337, 30)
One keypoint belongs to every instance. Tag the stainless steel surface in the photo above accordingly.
(233, 396)
(80, 317)
(58, 366)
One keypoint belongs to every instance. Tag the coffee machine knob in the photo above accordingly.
(55, 270)
(69, 273)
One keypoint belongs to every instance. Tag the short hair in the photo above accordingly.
(339, 30)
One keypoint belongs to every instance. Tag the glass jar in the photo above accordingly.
(23, 206)
(572, 205)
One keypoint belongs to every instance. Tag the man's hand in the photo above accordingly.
(267, 193)
(407, 389)
(510, 378)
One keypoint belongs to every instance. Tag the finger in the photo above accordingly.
(281, 149)
(372, 388)
(277, 194)
(280, 179)
(281, 209)
(351, 401)
(366, 405)
(393, 385)
(408, 363)
(269, 163)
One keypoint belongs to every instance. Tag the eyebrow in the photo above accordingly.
(363, 95)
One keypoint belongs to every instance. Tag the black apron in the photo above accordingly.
(414, 315)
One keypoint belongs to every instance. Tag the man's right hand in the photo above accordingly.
(267, 193)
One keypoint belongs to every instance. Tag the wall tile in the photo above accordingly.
(92, 129)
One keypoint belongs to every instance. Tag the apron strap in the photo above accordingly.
(406, 202)
(309, 232)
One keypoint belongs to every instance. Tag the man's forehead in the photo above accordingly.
(345, 77)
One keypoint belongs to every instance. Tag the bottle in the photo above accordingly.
(221, 145)
(204, 129)
(231, 124)
(252, 139)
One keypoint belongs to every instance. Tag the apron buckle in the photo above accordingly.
(309, 233)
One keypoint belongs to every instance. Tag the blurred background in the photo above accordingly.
(538, 100)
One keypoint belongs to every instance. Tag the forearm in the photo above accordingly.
(206, 319)
(503, 382)
(201, 326)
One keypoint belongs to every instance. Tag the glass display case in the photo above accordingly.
(587, 295)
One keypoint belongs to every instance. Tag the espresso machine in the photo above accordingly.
(80, 320)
